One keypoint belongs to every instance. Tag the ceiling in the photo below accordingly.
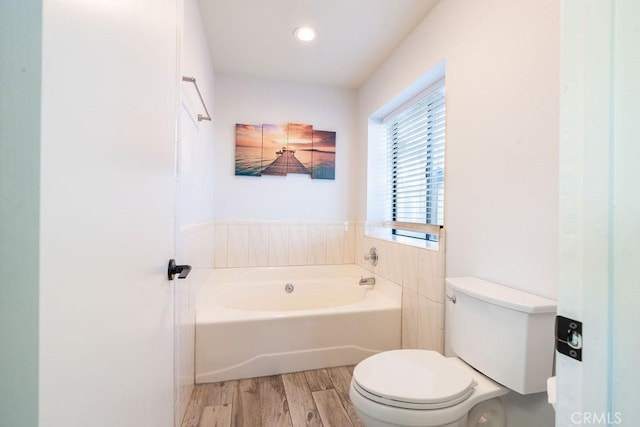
(255, 37)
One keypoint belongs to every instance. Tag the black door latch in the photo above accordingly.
(181, 270)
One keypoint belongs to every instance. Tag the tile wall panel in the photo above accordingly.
(317, 245)
(430, 325)
(237, 245)
(258, 240)
(336, 244)
(409, 319)
(278, 245)
(298, 249)
(349, 243)
(220, 246)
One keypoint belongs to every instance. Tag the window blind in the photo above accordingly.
(416, 137)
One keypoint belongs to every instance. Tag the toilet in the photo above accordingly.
(503, 340)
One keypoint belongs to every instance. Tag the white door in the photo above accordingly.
(107, 213)
(600, 211)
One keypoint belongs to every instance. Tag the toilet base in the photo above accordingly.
(489, 413)
(372, 422)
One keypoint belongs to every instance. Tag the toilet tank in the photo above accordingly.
(505, 333)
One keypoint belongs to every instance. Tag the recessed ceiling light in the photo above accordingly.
(305, 34)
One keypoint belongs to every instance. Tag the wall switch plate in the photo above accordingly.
(569, 337)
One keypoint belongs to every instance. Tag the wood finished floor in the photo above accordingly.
(318, 398)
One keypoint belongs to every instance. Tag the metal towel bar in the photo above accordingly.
(200, 116)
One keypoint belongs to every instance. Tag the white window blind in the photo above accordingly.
(416, 136)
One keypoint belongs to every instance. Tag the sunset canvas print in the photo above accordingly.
(248, 150)
(285, 149)
(323, 155)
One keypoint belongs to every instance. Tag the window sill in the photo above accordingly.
(384, 233)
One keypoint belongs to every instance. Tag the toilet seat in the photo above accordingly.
(413, 379)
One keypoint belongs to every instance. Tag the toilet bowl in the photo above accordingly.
(423, 388)
(503, 341)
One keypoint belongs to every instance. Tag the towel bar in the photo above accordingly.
(200, 116)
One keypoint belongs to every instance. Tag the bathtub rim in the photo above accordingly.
(385, 295)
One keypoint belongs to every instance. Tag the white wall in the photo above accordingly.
(107, 203)
(194, 208)
(20, 71)
(290, 198)
(502, 80)
(196, 139)
(502, 133)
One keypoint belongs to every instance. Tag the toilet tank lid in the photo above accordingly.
(501, 295)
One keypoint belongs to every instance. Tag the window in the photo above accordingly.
(415, 140)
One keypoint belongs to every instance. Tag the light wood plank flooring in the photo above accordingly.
(318, 398)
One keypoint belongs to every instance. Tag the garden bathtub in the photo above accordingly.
(248, 325)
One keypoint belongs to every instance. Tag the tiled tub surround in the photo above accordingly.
(277, 243)
(420, 272)
(247, 325)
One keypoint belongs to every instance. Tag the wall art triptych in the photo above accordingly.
(284, 149)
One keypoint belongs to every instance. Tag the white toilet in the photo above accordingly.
(503, 339)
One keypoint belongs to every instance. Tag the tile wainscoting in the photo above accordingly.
(276, 243)
(420, 272)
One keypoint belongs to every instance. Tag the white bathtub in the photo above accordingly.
(247, 325)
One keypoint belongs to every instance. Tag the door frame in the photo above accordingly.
(596, 252)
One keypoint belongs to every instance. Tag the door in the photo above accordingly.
(600, 211)
(107, 213)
